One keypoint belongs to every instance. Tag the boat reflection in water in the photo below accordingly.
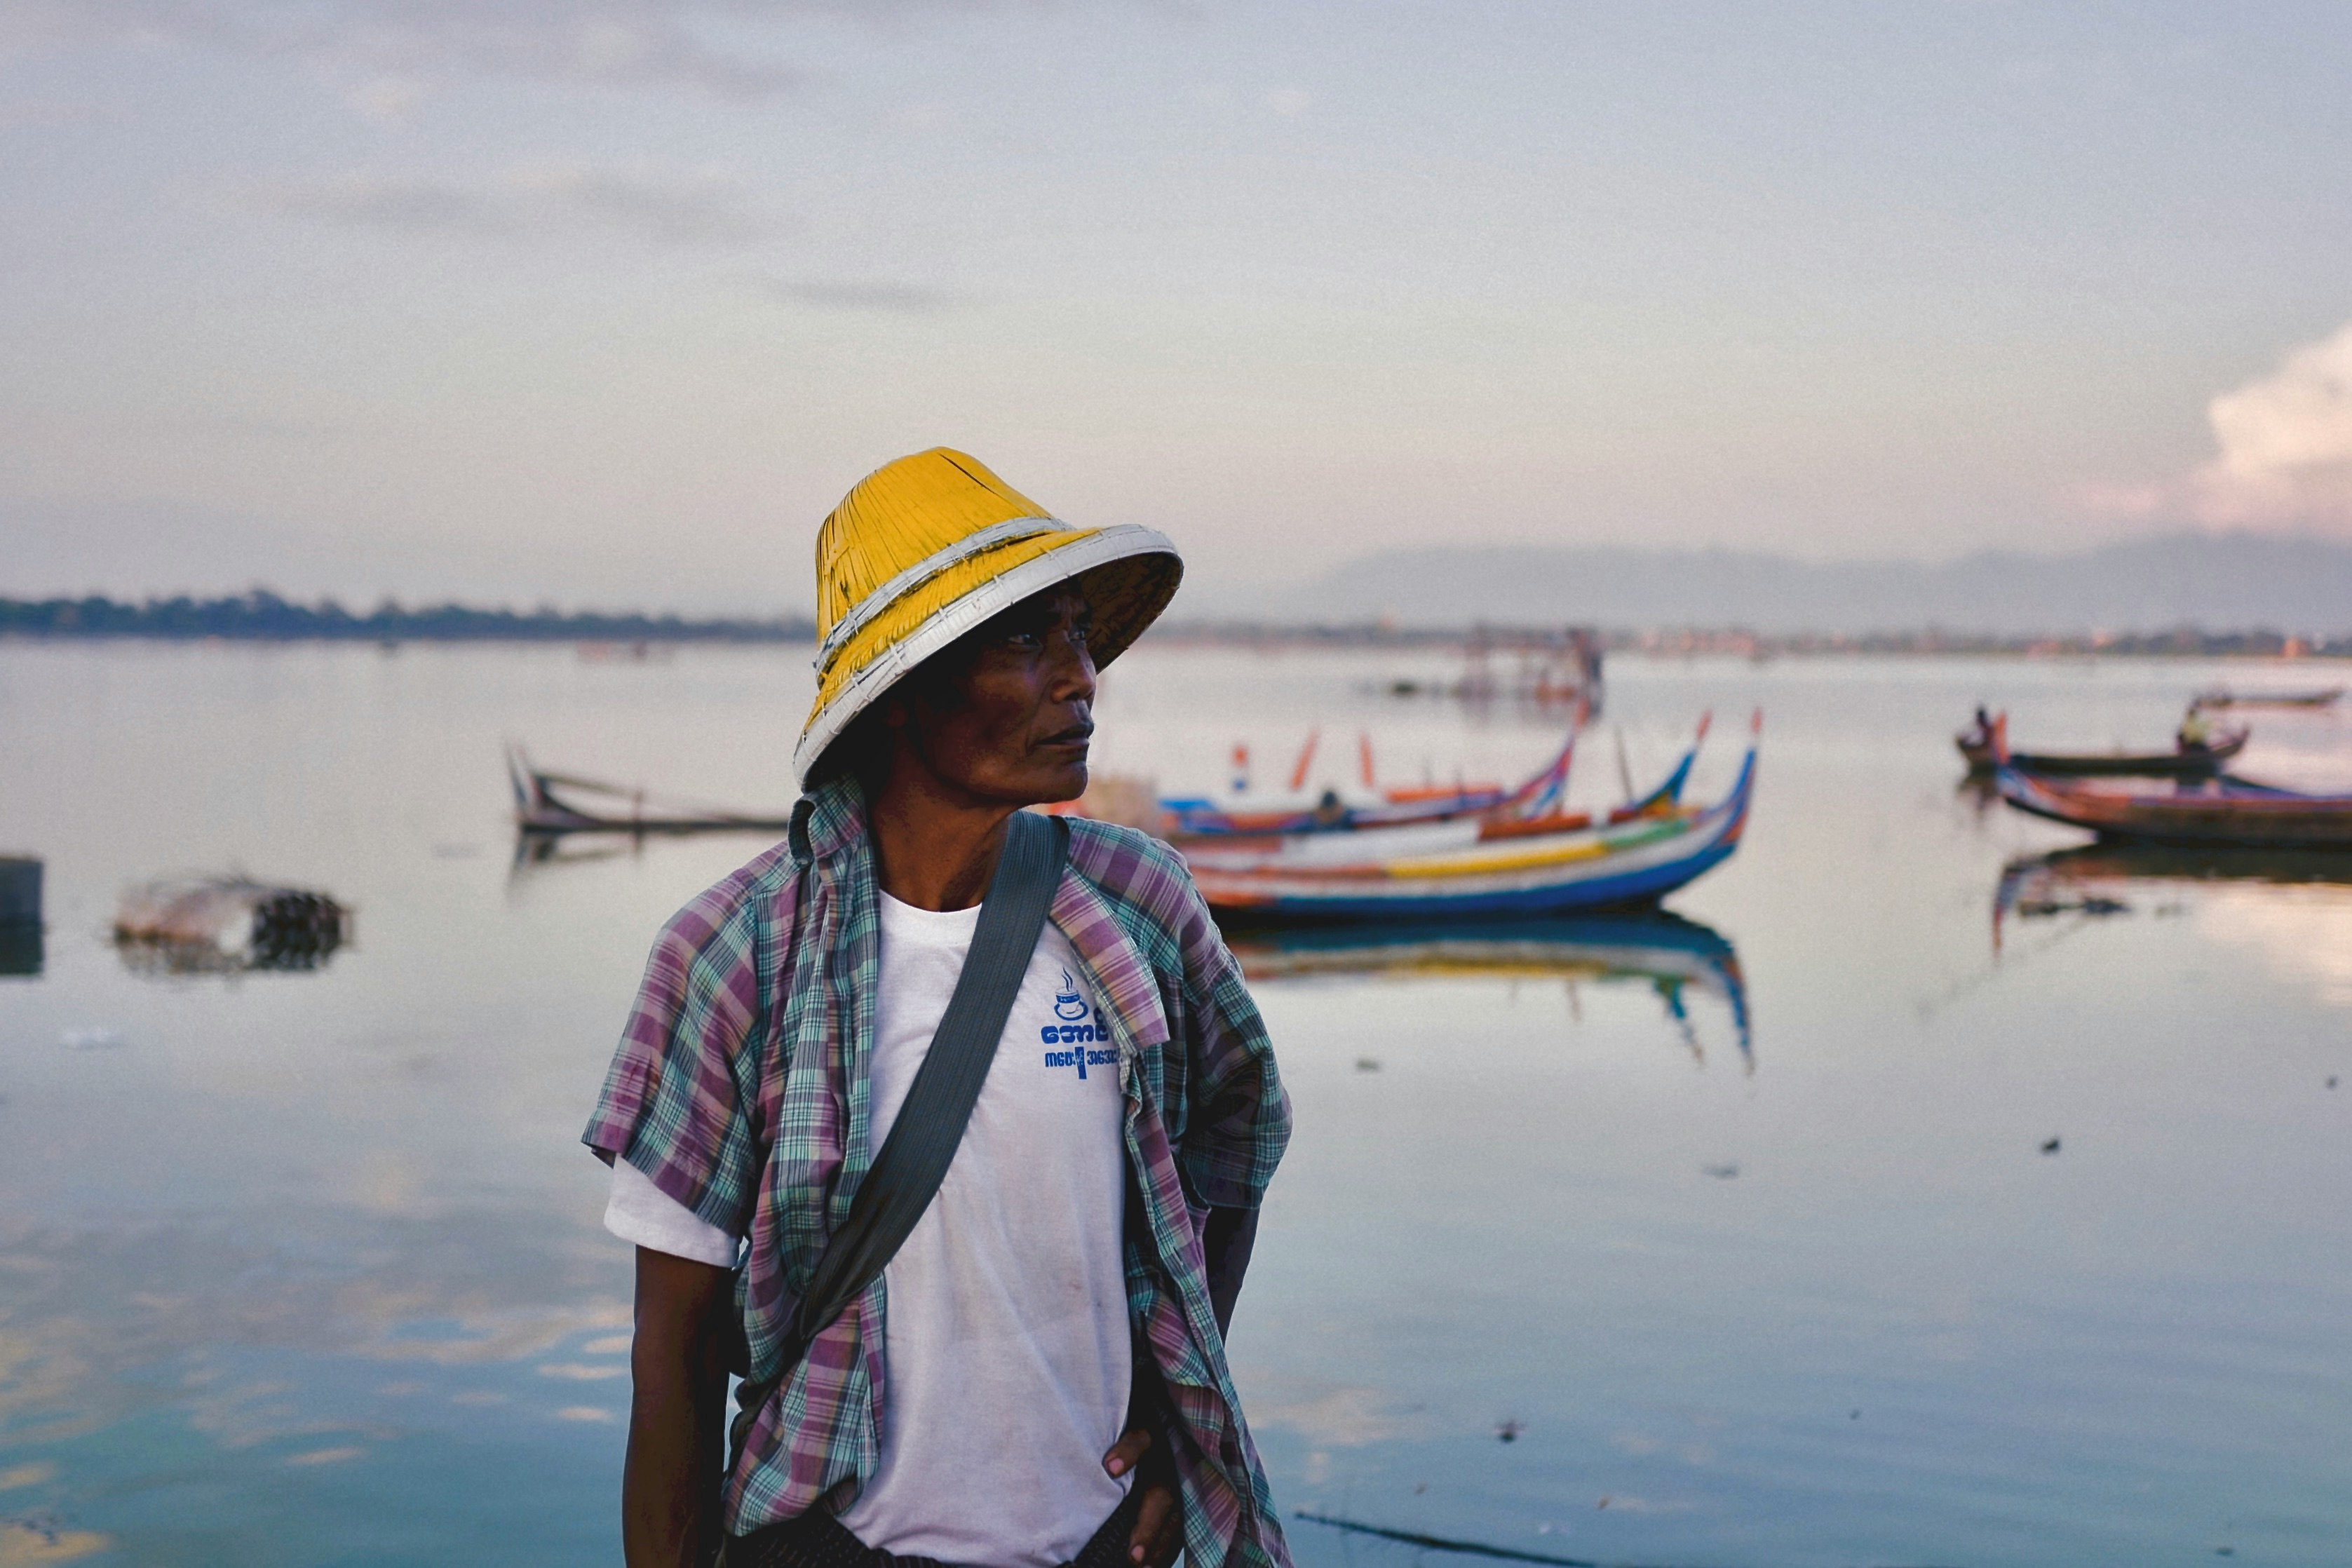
(1676, 957)
(2097, 879)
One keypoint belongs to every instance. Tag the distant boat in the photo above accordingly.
(2220, 696)
(1985, 752)
(1468, 866)
(2221, 811)
(550, 804)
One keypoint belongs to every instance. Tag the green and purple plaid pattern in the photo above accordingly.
(740, 1089)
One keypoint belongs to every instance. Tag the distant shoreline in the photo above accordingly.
(262, 616)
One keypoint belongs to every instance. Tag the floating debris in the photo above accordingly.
(1508, 1430)
(1371, 1063)
(1721, 1173)
(227, 925)
(2092, 904)
(94, 1038)
(2051, 1147)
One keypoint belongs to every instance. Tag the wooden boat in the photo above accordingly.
(1468, 866)
(548, 803)
(2186, 763)
(2220, 696)
(1676, 957)
(1986, 750)
(2221, 811)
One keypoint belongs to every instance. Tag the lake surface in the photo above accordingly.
(307, 1267)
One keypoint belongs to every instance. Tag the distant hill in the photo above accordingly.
(2218, 582)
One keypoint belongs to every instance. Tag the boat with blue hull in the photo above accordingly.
(1489, 868)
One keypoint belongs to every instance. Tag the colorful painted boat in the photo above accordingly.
(1676, 957)
(1469, 866)
(1187, 818)
(1536, 801)
(2222, 811)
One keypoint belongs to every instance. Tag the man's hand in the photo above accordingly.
(1160, 1522)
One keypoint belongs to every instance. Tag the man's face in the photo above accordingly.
(1018, 717)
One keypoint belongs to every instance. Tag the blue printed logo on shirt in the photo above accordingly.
(1070, 1006)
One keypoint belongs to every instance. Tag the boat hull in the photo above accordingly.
(2119, 764)
(2234, 814)
(1623, 866)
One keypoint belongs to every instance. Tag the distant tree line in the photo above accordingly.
(262, 616)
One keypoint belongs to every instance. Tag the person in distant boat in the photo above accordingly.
(2196, 731)
(1037, 1377)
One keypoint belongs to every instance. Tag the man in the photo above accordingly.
(1038, 1377)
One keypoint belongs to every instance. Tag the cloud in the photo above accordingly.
(893, 299)
(654, 203)
(388, 99)
(2286, 442)
(617, 43)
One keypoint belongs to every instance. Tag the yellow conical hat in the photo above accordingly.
(925, 549)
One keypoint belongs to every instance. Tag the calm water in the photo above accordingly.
(307, 1269)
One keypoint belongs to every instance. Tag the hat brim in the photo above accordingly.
(1126, 572)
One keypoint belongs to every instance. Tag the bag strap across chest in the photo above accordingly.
(914, 1159)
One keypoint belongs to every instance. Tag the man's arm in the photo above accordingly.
(1225, 1243)
(670, 1487)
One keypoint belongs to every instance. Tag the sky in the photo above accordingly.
(606, 304)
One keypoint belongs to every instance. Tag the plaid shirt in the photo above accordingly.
(742, 1088)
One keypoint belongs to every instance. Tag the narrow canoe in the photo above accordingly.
(2193, 764)
(2222, 811)
(550, 804)
(2325, 697)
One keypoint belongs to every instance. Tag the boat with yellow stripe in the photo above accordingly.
(1546, 866)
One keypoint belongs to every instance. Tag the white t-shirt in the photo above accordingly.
(1005, 1343)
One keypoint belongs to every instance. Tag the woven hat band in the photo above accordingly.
(922, 571)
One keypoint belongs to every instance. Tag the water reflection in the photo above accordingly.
(533, 850)
(1676, 957)
(20, 948)
(2097, 879)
